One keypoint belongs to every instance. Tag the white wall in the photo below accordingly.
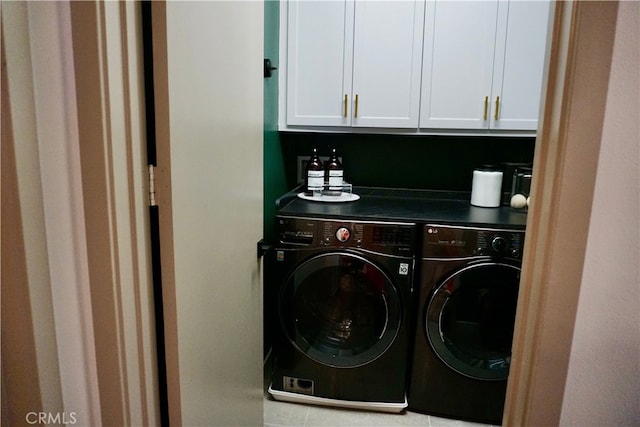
(603, 382)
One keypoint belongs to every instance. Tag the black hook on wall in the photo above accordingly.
(268, 68)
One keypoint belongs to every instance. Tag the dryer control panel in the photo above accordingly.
(445, 241)
(384, 237)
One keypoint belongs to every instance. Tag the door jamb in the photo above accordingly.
(565, 164)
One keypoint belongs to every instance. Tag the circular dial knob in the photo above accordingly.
(498, 244)
(343, 234)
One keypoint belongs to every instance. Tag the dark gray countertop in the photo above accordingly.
(388, 204)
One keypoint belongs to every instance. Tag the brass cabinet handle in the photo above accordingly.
(356, 108)
(495, 116)
(486, 107)
(346, 105)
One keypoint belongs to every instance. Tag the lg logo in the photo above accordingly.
(48, 418)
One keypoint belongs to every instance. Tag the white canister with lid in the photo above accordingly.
(486, 187)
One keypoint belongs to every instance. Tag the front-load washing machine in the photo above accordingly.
(342, 298)
(469, 279)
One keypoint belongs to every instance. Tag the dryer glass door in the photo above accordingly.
(470, 318)
(340, 309)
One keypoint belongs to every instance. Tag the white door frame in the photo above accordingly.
(41, 110)
(74, 74)
(107, 48)
(565, 165)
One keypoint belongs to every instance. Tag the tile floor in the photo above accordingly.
(284, 414)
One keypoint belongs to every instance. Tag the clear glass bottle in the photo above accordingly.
(334, 174)
(314, 175)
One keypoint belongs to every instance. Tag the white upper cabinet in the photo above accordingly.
(521, 45)
(483, 64)
(319, 62)
(444, 65)
(458, 63)
(354, 63)
(387, 59)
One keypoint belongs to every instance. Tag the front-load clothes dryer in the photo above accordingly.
(467, 298)
(343, 312)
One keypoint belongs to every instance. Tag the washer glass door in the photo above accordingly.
(340, 309)
(470, 317)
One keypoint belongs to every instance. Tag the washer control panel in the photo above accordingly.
(391, 238)
(445, 241)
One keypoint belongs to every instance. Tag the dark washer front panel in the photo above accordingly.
(465, 317)
(469, 319)
(343, 306)
(340, 309)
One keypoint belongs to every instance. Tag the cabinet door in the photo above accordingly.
(319, 62)
(386, 63)
(519, 64)
(459, 41)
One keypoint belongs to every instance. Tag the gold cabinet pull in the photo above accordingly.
(486, 107)
(356, 108)
(346, 105)
(495, 116)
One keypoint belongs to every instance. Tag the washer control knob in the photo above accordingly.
(498, 244)
(343, 234)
